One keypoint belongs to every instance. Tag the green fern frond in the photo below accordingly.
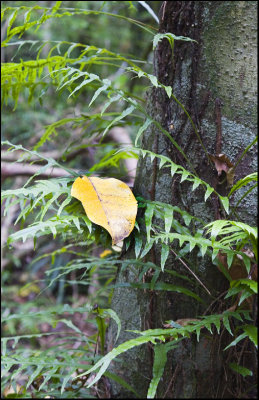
(160, 358)
(152, 335)
(221, 227)
(195, 326)
(171, 38)
(27, 74)
(240, 370)
(44, 193)
(166, 212)
(249, 331)
(112, 159)
(165, 162)
(51, 129)
(53, 225)
(211, 247)
(50, 161)
(54, 12)
(243, 287)
(242, 182)
(106, 360)
(243, 234)
(45, 365)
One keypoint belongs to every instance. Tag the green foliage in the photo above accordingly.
(106, 360)
(240, 370)
(161, 335)
(242, 182)
(171, 38)
(160, 358)
(165, 162)
(82, 72)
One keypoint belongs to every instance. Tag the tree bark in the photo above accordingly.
(216, 80)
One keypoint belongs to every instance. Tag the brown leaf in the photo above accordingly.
(185, 321)
(222, 163)
(238, 270)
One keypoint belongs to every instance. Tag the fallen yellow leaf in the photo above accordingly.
(108, 202)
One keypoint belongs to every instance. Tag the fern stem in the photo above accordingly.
(245, 151)
(244, 195)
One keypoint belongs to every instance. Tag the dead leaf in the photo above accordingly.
(185, 321)
(222, 163)
(238, 271)
(10, 390)
(108, 202)
(180, 322)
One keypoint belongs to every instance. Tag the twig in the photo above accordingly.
(9, 169)
(171, 380)
(211, 304)
(55, 154)
(163, 8)
(196, 277)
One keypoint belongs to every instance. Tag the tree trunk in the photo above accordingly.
(216, 80)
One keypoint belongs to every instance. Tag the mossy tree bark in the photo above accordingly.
(216, 73)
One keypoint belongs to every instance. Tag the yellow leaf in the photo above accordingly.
(108, 202)
(105, 253)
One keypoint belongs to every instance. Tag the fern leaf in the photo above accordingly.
(185, 175)
(164, 255)
(51, 129)
(37, 229)
(242, 182)
(208, 192)
(91, 78)
(241, 370)
(251, 332)
(225, 203)
(234, 342)
(142, 129)
(160, 358)
(170, 37)
(106, 360)
(112, 99)
(107, 83)
(226, 323)
(126, 112)
(138, 244)
(196, 183)
(168, 218)
(148, 219)
(50, 161)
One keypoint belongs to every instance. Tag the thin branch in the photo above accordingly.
(9, 169)
(196, 277)
(55, 154)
